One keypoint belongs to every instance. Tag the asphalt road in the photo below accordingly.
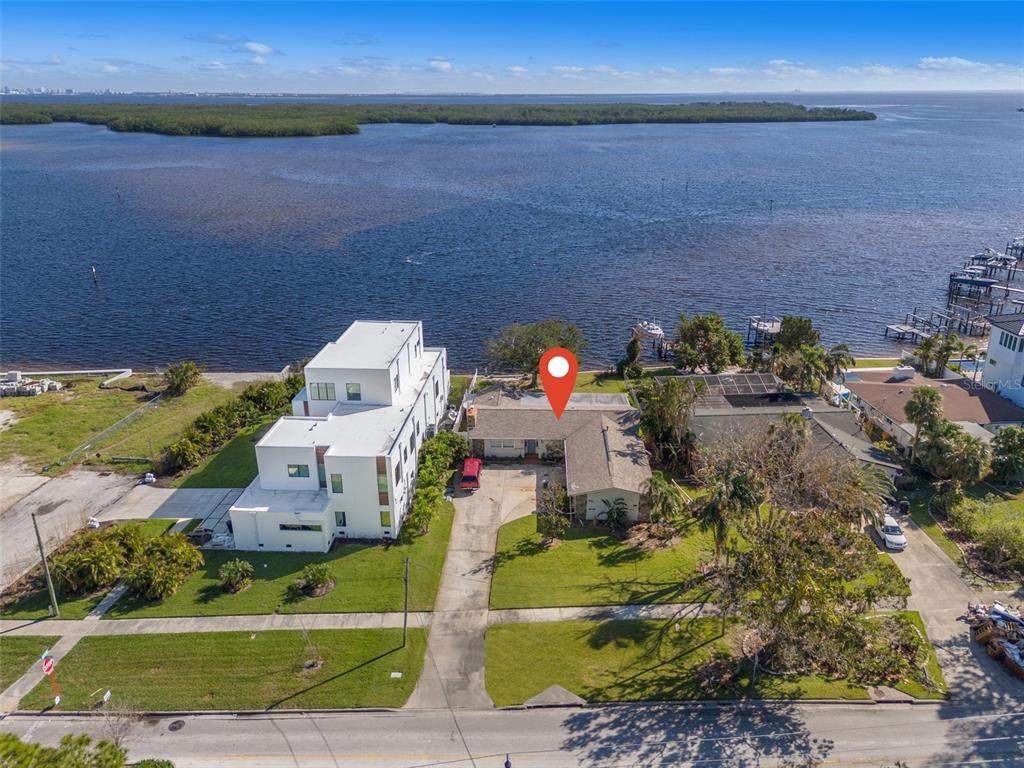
(596, 737)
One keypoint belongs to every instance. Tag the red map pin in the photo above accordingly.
(558, 369)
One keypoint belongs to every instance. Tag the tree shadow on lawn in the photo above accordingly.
(331, 679)
(673, 735)
(635, 592)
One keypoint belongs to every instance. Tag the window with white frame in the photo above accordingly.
(298, 470)
(354, 391)
(503, 443)
(321, 391)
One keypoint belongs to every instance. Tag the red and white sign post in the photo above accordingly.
(49, 663)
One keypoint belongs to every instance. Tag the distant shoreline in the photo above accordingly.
(290, 120)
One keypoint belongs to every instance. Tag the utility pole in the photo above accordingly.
(405, 614)
(54, 609)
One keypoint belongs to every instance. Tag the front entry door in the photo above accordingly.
(531, 447)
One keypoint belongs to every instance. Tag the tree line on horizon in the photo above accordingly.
(277, 120)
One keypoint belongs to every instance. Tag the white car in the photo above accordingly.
(891, 534)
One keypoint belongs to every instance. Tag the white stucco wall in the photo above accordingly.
(596, 508)
(273, 464)
(1003, 371)
(375, 387)
(253, 529)
(359, 499)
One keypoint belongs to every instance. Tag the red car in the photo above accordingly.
(471, 469)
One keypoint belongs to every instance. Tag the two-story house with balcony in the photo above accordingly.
(344, 463)
(1003, 371)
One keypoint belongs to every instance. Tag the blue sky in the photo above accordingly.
(545, 47)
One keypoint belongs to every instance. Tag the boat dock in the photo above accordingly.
(762, 330)
(989, 283)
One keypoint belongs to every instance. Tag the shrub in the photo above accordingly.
(95, 559)
(616, 512)
(551, 520)
(181, 377)
(316, 575)
(235, 575)
(1002, 545)
(629, 370)
(184, 454)
(73, 752)
(153, 763)
(164, 566)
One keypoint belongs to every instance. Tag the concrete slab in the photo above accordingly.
(62, 506)
(146, 501)
(555, 696)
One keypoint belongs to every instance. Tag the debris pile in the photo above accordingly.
(1001, 630)
(16, 386)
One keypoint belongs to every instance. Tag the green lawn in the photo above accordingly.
(590, 567)
(912, 687)
(154, 431)
(597, 381)
(233, 466)
(876, 362)
(35, 605)
(18, 653)
(635, 661)
(367, 578)
(920, 515)
(240, 670)
(51, 425)
(459, 384)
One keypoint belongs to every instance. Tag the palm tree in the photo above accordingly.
(922, 410)
(927, 352)
(733, 494)
(839, 360)
(811, 365)
(970, 352)
(969, 460)
(948, 346)
(615, 512)
(664, 499)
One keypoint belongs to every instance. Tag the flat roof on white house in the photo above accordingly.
(366, 344)
(352, 430)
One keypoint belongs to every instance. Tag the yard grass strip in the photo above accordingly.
(18, 653)
(240, 670)
(591, 567)
(51, 425)
(612, 661)
(233, 466)
(368, 577)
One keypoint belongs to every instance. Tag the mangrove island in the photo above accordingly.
(275, 120)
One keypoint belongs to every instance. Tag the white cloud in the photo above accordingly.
(52, 61)
(953, 64)
(261, 49)
(110, 69)
(518, 71)
(564, 70)
(728, 71)
(258, 60)
(212, 66)
(868, 70)
(439, 64)
(786, 68)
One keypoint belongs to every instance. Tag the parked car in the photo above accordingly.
(471, 469)
(891, 534)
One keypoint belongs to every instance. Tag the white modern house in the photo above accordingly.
(1003, 372)
(343, 464)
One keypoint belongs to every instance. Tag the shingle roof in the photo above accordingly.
(962, 400)
(1010, 322)
(602, 449)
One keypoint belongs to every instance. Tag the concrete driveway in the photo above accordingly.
(941, 596)
(453, 672)
(209, 504)
(62, 505)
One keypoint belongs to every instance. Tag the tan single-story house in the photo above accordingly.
(882, 396)
(596, 437)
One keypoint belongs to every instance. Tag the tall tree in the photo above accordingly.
(811, 366)
(927, 353)
(667, 407)
(922, 410)
(949, 345)
(796, 331)
(664, 498)
(1008, 455)
(704, 342)
(519, 347)
(839, 360)
(734, 494)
